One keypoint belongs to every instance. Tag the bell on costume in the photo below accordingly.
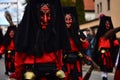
(60, 74)
(29, 75)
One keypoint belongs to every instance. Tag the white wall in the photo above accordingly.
(89, 16)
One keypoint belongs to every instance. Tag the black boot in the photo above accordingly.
(6, 73)
(0, 56)
(105, 78)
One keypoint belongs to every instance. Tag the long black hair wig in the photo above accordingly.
(74, 30)
(32, 39)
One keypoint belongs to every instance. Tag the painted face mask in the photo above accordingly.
(11, 34)
(45, 15)
(107, 24)
(68, 20)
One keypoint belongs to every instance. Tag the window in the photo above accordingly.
(100, 6)
(108, 4)
(97, 8)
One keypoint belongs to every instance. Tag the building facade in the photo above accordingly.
(89, 10)
(107, 7)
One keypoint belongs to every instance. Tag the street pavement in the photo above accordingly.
(2, 70)
(94, 76)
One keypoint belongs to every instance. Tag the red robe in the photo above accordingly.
(23, 58)
(9, 52)
(105, 58)
(77, 65)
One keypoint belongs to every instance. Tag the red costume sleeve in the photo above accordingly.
(59, 62)
(2, 48)
(116, 43)
(103, 43)
(20, 58)
(85, 44)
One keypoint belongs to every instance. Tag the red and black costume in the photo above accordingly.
(78, 43)
(8, 48)
(40, 39)
(105, 49)
(1, 40)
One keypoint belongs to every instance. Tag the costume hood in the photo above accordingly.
(32, 39)
(74, 30)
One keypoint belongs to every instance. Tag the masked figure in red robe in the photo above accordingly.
(8, 48)
(71, 58)
(117, 63)
(40, 39)
(105, 50)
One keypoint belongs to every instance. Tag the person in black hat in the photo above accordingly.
(105, 50)
(8, 48)
(40, 39)
(72, 59)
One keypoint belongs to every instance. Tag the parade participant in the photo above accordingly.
(72, 60)
(89, 37)
(40, 39)
(8, 45)
(1, 40)
(8, 48)
(108, 35)
(105, 50)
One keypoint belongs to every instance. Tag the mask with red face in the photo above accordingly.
(68, 20)
(107, 24)
(45, 15)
